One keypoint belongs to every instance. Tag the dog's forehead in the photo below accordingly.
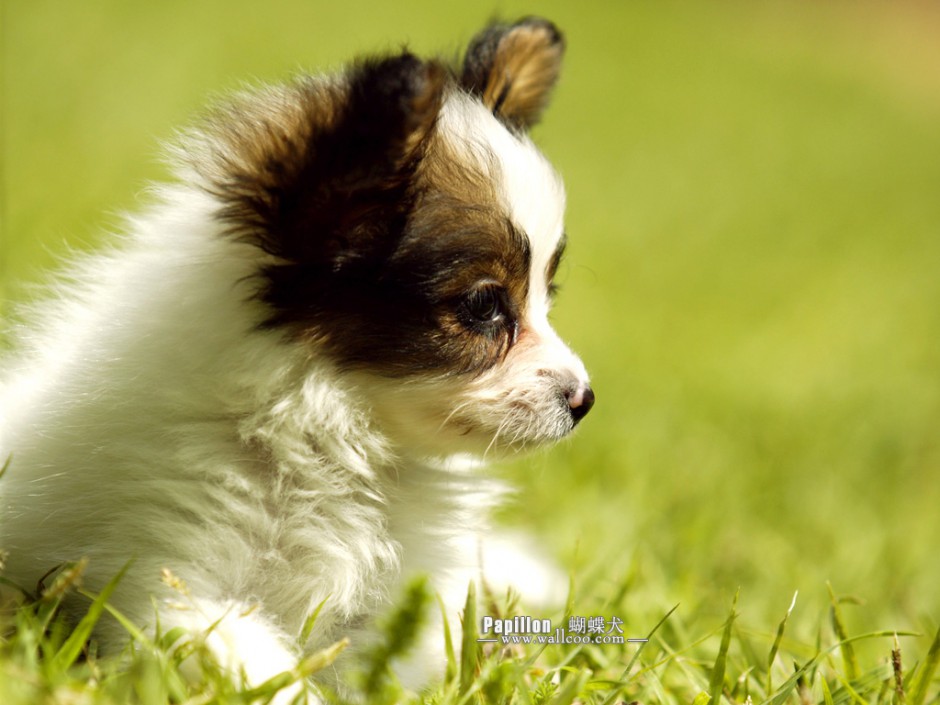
(530, 190)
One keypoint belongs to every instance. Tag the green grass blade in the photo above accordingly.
(170, 637)
(849, 660)
(827, 694)
(321, 659)
(925, 674)
(672, 655)
(781, 696)
(717, 680)
(649, 636)
(307, 629)
(636, 655)
(450, 670)
(72, 647)
(67, 577)
(469, 647)
(131, 628)
(572, 688)
(523, 692)
(569, 601)
(852, 693)
(776, 645)
(400, 630)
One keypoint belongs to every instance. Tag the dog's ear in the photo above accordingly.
(513, 68)
(390, 109)
(318, 168)
(319, 174)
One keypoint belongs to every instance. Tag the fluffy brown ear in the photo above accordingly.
(513, 68)
(391, 108)
(319, 174)
(301, 170)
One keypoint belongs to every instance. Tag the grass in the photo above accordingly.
(39, 663)
(752, 281)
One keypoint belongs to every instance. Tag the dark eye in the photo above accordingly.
(485, 305)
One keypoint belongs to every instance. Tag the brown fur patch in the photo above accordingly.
(514, 68)
(313, 170)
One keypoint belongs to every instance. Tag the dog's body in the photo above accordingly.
(276, 384)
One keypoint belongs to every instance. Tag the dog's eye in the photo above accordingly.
(485, 305)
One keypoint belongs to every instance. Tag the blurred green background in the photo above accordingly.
(753, 275)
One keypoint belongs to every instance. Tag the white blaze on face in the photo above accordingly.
(534, 197)
(533, 193)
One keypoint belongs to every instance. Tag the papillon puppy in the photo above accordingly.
(280, 382)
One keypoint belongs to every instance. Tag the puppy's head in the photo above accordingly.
(412, 233)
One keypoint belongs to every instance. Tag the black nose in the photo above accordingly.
(580, 401)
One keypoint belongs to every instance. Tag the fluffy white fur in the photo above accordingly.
(149, 417)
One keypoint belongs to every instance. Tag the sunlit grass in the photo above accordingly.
(42, 660)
